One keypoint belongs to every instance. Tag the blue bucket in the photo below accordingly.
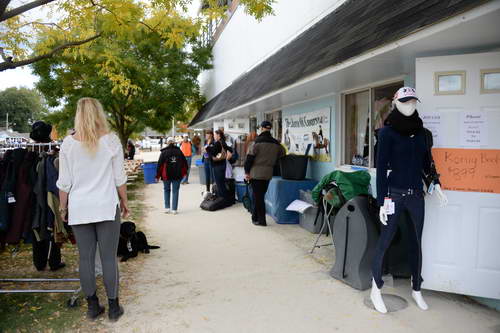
(149, 172)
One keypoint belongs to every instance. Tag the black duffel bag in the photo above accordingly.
(213, 203)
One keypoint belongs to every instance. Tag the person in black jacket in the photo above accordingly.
(130, 150)
(171, 168)
(216, 150)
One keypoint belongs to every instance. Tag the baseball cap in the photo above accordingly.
(170, 139)
(266, 124)
(404, 94)
(185, 135)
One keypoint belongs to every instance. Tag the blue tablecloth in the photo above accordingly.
(281, 193)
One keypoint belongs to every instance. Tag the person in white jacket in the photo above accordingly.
(92, 192)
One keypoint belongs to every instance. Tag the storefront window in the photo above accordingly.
(382, 104)
(365, 113)
(275, 119)
(253, 125)
(357, 124)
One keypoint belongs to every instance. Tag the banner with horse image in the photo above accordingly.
(311, 128)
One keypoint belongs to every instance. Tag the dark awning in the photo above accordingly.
(351, 30)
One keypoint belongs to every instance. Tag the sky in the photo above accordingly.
(22, 76)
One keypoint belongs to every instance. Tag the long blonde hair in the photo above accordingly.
(90, 122)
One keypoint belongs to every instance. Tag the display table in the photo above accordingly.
(281, 193)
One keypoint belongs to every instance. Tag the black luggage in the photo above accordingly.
(247, 199)
(213, 203)
(230, 188)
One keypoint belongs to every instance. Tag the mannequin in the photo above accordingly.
(403, 149)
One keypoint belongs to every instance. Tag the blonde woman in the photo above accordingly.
(92, 191)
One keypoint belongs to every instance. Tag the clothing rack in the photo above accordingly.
(27, 145)
(73, 301)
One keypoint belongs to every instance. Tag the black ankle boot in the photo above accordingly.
(115, 310)
(94, 309)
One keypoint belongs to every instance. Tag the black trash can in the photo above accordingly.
(294, 167)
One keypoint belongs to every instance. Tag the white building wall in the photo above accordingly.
(245, 42)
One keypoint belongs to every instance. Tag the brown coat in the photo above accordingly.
(263, 156)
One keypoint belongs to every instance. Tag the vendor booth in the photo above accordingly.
(333, 86)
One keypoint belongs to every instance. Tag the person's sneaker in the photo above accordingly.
(167, 211)
(205, 195)
(174, 212)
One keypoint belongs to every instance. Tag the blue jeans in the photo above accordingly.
(209, 174)
(176, 184)
(415, 205)
(186, 178)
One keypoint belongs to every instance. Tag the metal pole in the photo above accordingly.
(38, 291)
(173, 127)
(7, 122)
(40, 280)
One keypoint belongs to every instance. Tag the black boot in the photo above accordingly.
(94, 309)
(115, 310)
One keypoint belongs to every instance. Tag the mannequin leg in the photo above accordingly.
(387, 233)
(416, 209)
(376, 297)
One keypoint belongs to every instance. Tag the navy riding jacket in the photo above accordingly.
(405, 156)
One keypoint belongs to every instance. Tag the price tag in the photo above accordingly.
(431, 188)
(389, 206)
(10, 198)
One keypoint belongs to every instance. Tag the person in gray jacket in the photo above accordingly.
(259, 165)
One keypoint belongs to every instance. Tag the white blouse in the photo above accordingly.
(91, 180)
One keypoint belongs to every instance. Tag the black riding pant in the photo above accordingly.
(413, 202)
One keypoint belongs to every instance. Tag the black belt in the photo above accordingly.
(405, 192)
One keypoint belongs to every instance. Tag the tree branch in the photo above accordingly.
(118, 19)
(4, 56)
(14, 64)
(3, 6)
(21, 9)
(43, 23)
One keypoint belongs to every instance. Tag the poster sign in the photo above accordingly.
(473, 129)
(468, 170)
(311, 128)
(432, 121)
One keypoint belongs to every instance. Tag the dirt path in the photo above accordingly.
(216, 272)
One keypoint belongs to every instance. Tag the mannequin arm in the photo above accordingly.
(383, 215)
(443, 200)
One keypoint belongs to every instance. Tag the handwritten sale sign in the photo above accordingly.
(468, 170)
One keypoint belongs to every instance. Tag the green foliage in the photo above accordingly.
(146, 84)
(79, 23)
(23, 105)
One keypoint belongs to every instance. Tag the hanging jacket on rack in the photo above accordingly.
(8, 187)
(55, 222)
(22, 212)
(4, 206)
(40, 224)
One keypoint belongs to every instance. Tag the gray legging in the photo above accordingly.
(107, 235)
